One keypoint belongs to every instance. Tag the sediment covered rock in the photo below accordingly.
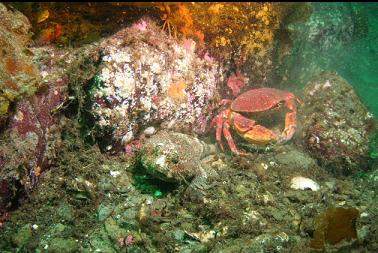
(19, 76)
(335, 124)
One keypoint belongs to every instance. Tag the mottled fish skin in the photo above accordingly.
(187, 151)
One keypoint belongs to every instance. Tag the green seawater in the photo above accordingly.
(341, 37)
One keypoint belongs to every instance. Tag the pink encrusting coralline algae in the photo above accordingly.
(236, 82)
(141, 26)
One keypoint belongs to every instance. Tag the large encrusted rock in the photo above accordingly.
(19, 76)
(147, 78)
(335, 124)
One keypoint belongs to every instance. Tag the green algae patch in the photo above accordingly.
(145, 176)
(373, 146)
(23, 236)
(149, 185)
(61, 245)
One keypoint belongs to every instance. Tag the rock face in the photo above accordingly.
(174, 157)
(30, 141)
(335, 124)
(32, 137)
(18, 74)
(320, 42)
(146, 78)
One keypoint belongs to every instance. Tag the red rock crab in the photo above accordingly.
(255, 100)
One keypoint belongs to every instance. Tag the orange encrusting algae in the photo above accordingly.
(176, 91)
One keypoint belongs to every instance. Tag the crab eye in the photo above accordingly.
(277, 106)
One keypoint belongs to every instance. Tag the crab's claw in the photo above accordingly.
(252, 132)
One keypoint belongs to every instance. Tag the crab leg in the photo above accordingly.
(225, 102)
(219, 121)
(290, 125)
(219, 131)
(290, 121)
(230, 141)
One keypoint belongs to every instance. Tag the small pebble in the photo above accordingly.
(114, 173)
(127, 137)
(364, 214)
(149, 131)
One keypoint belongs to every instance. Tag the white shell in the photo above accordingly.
(114, 173)
(127, 137)
(303, 183)
(161, 161)
(149, 131)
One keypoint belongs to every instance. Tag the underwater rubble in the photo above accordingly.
(113, 152)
